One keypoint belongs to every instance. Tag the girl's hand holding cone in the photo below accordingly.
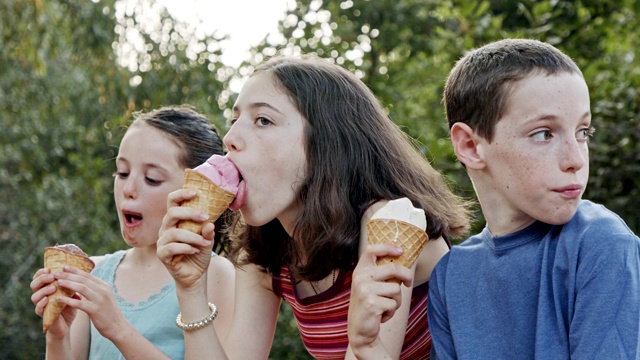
(194, 248)
(56, 258)
(43, 287)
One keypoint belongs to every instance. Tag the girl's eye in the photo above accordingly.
(542, 135)
(263, 121)
(153, 182)
(232, 121)
(121, 174)
(585, 133)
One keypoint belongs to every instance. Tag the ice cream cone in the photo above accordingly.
(211, 199)
(396, 232)
(55, 259)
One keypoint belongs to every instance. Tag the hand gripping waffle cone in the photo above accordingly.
(55, 258)
(397, 232)
(399, 223)
(211, 199)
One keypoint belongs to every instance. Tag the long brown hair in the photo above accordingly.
(355, 156)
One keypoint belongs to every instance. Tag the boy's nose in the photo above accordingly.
(574, 155)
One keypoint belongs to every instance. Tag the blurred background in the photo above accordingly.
(72, 73)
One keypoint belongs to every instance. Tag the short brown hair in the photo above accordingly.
(478, 86)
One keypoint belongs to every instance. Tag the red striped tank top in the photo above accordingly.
(322, 318)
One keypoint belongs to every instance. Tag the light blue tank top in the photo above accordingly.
(154, 318)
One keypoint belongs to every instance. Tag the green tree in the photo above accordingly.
(403, 51)
(73, 72)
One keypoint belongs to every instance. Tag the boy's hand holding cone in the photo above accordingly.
(55, 258)
(218, 185)
(399, 223)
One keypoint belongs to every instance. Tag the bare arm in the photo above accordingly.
(255, 309)
(221, 282)
(255, 317)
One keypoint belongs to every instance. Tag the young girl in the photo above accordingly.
(318, 156)
(128, 303)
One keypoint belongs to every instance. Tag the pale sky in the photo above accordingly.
(246, 21)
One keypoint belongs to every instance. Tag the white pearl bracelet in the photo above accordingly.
(198, 324)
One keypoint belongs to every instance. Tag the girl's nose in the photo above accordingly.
(233, 140)
(130, 188)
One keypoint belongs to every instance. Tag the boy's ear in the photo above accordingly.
(466, 145)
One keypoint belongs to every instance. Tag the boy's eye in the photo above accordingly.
(586, 133)
(542, 135)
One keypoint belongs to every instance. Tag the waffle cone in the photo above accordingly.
(388, 231)
(211, 199)
(55, 259)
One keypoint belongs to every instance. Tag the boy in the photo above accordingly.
(551, 275)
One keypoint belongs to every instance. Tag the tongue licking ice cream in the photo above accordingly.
(218, 185)
(399, 223)
(55, 258)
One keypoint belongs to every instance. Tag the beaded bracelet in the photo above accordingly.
(198, 324)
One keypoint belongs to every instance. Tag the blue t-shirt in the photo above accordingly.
(545, 292)
(154, 318)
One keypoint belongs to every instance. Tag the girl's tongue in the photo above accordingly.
(238, 202)
(132, 218)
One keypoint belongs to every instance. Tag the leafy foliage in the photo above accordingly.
(74, 72)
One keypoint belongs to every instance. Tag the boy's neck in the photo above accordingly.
(500, 219)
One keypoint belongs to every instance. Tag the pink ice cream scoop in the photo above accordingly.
(218, 185)
(219, 170)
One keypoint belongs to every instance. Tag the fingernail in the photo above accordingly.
(204, 216)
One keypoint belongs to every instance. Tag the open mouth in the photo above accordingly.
(132, 218)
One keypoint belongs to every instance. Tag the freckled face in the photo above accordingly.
(147, 171)
(266, 144)
(538, 161)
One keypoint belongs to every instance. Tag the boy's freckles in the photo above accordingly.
(533, 162)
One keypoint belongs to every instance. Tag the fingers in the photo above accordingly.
(175, 198)
(175, 214)
(42, 286)
(378, 287)
(85, 287)
(176, 241)
(385, 272)
(76, 280)
(173, 241)
(381, 250)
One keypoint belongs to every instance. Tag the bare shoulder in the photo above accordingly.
(220, 265)
(432, 252)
